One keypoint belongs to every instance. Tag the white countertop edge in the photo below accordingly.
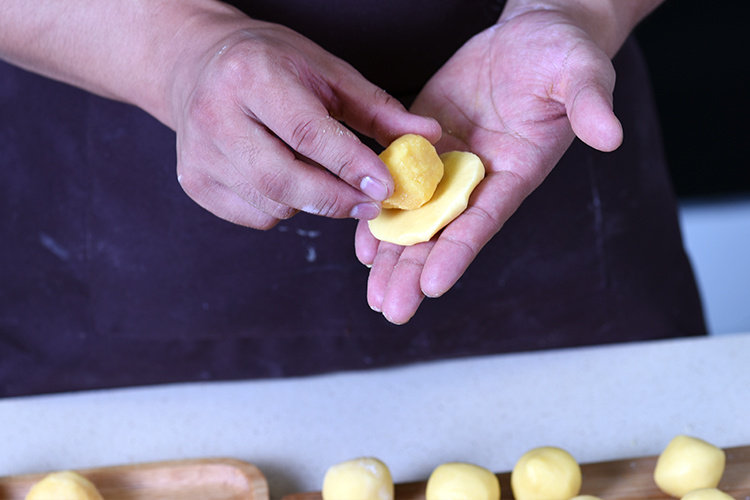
(600, 403)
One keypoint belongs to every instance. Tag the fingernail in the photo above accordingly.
(365, 211)
(374, 188)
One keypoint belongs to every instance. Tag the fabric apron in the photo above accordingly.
(111, 276)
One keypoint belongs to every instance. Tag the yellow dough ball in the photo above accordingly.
(546, 473)
(462, 481)
(707, 494)
(65, 485)
(463, 172)
(364, 478)
(688, 464)
(416, 170)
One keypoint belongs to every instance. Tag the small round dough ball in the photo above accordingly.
(65, 485)
(416, 169)
(688, 464)
(707, 494)
(546, 473)
(462, 481)
(364, 478)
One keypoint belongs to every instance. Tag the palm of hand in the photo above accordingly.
(514, 95)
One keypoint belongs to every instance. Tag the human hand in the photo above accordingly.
(516, 94)
(258, 117)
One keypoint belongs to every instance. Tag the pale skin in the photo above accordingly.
(263, 116)
(516, 95)
(259, 111)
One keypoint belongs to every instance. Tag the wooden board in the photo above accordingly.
(630, 479)
(205, 479)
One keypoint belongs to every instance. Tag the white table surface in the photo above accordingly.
(599, 403)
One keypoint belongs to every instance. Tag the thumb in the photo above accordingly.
(373, 112)
(587, 94)
(592, 118)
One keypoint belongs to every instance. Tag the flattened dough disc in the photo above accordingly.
(463, 172)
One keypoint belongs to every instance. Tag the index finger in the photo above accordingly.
(302, 118)
(298, 117)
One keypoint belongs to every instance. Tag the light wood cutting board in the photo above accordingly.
(203, 479)
(630, 479)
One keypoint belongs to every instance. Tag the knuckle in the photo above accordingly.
(233, 64)
(192, 181)
(264, 222)
(252, 218)
(346, 167)
(203, 111)
(323, 139)
(383, 98)
(282, 212)
(469, 249)
(590, 67)
(241, 58)
(264, 204)
(330, 205)
(382, 103)
(485, 218)
(311, 135)
(229, 69)
(390, 252)
(246, 153)
(304, 136)
(252, 62)
(512, 185)
(272, 185)
(409, 262)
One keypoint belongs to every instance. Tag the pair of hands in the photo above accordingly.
(260, 136)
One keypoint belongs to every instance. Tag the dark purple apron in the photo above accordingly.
(111, 276)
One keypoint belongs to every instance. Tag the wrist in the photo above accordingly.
(608, 23)
(127, 51)
(181, 53)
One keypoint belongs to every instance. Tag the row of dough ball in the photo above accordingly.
(541, 474)
(688, 468)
